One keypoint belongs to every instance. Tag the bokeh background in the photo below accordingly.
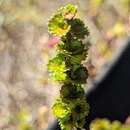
(26, 92)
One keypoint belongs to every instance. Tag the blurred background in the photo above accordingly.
(26, 92)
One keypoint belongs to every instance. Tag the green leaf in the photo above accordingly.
(65, 124)
(57, 67)
(80, 109)
(57, 64)
(61, 110)
(76, 59)
(54, 67)
(78, 28)
(75, 46)
(71, 91)
(68, 11)
(61, 47)
(59, 76)
(58, 26)
(79, 75)
(80, 123)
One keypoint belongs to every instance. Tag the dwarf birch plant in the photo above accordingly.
(71, 106)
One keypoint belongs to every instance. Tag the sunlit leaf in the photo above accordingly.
(57, 67)
(57, 25)
(61, 110)
(69, 11)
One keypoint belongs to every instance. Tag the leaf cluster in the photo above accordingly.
(71, 106)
